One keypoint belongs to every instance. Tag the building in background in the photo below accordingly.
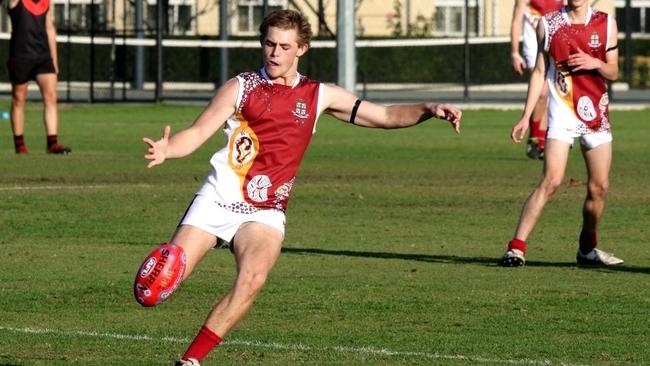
(375, 18)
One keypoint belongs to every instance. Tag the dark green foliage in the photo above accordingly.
(490, 63)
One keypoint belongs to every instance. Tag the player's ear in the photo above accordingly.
(302, 49)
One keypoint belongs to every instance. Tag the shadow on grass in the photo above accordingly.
(484, 261)
(610, 269)
(487, 261)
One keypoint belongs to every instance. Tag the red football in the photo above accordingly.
(159, 275)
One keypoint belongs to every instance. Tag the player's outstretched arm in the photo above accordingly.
(185, 142)
(340, 103)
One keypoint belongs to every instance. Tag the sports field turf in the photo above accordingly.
(389, 259)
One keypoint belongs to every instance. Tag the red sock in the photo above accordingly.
(51, 140)
(517, 244)
(202, 344)
(19, 141)
(588, 241)
(535, 131)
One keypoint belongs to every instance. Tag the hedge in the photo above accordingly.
(490, 63)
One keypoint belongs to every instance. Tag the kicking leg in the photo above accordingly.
(256, 249)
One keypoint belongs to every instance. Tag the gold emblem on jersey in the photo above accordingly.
(562, 80)
(243, 148)
(563, 86)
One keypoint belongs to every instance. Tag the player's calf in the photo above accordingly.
(159, 275)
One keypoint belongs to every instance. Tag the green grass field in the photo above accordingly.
(389, 259)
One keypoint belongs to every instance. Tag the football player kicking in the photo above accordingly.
(577, 53)
(270, 116)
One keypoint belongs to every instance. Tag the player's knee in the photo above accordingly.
(598, 190)
(49, 97)
(251, 281)
(550, 185)
(159, 274)
(18, 99)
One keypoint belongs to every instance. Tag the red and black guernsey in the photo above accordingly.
(28, 30)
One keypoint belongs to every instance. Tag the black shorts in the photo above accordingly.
(23, 70)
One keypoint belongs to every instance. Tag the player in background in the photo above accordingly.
(577, 53)
(270, 116)
(525, 17)
(33, 56)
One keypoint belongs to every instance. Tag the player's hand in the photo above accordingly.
(449, 113)
(583, 61)
(519, 130)
(157, 151)
(518, 64)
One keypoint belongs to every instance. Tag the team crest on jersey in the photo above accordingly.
(594, 40)
(301, 110)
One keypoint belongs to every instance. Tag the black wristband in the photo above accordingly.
(354, 110)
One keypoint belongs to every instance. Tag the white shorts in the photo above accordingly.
(589, 141)
(530, 57)
(206, 214)
(529, 50)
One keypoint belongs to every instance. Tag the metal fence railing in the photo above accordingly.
(124, 50)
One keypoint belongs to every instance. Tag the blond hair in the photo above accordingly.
(287, 19)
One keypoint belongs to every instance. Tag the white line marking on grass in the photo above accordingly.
(59, 187)
(292, 347)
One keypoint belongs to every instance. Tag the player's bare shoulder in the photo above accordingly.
(227, 95)
(335, 99)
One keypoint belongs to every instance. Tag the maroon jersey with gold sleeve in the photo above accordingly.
(266, 140)
(577, 98)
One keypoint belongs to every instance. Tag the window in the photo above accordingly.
(76, 15)
(639, 19)
(180, 19)
(449, 18)
(250, 14)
